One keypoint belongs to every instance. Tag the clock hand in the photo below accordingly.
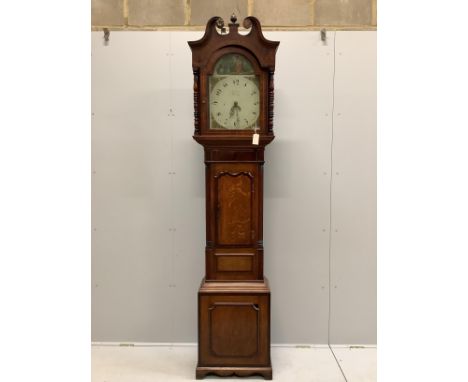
(231, 112)
(234, 109)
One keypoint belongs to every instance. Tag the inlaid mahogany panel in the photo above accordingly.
(232, 201)
(234, 329)
(237, 331)
(234, 263)
(234, 154)
(234, 207)
(229, 263)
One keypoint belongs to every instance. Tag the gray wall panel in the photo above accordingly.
(189, 193)
(131, 159)
(148, 190)
(297, 186)
(353, 244)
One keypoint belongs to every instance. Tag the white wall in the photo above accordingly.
(148, 189)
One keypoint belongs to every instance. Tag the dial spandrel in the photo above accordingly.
(234, 94)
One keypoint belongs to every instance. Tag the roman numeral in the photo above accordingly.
(218, 92)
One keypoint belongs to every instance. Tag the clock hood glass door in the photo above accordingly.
(234, 96)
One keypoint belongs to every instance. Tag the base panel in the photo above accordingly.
(265, 372)
(234, 329)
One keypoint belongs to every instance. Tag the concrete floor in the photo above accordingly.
(177, 363)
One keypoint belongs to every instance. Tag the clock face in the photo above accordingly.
(235, 102)
(234, 94)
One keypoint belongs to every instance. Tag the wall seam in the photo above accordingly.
(172, 173)
(187, 11)
(304, 28)
(330, 214)
(312, 12)
(125, 12)
(374, 12)
(331, 210)
(250, 7)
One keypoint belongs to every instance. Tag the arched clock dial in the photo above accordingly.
(235, 102)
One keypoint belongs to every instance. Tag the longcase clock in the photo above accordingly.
(233, 100)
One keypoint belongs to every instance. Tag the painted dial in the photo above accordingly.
(235, 102)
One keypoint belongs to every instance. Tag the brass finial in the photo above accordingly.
(233, 18)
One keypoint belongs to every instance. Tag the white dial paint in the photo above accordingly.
(235, 102)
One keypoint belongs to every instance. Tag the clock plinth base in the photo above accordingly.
(234, 328)
(265, 372)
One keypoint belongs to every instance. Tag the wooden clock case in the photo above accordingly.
(234, 296)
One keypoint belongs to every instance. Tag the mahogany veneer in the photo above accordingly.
(234, 297)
